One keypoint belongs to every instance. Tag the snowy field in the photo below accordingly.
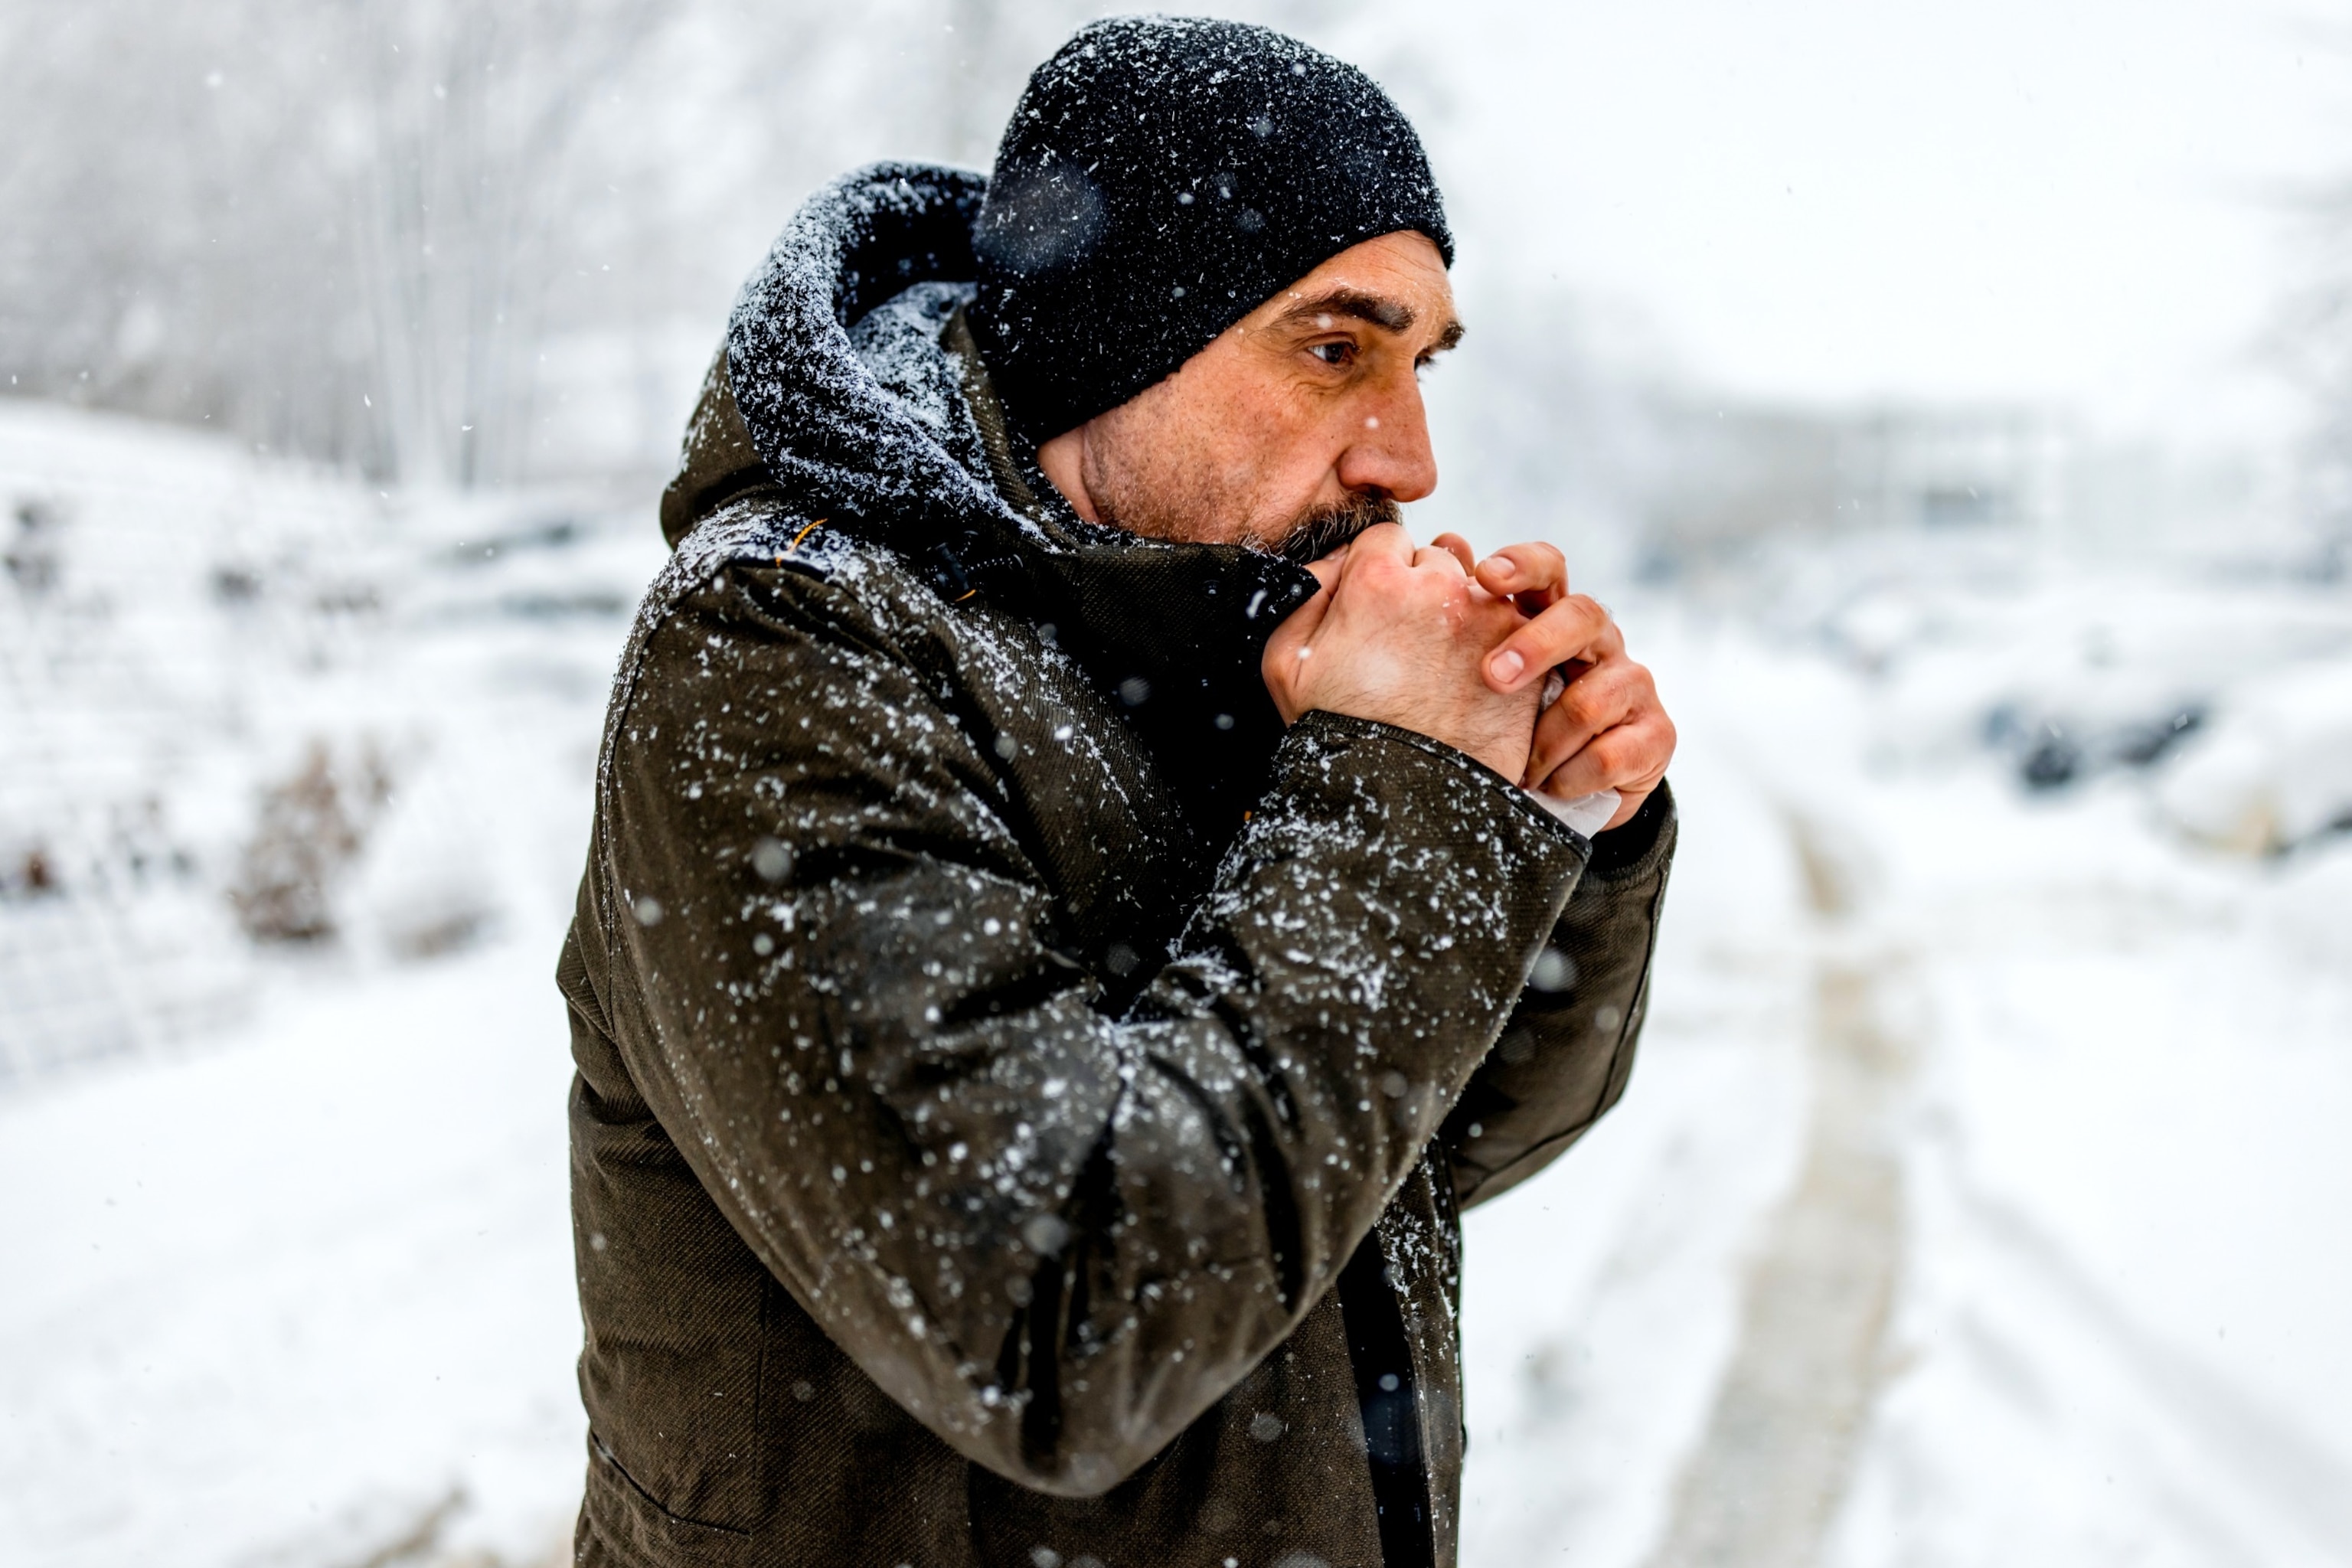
(1978, 1199)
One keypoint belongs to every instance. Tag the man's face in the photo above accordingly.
(1300, 425)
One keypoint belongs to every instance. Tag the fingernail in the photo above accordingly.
(1506, 666)
(1506, 569)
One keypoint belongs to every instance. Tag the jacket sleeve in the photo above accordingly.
(1564, 1057)
(1055, 1231)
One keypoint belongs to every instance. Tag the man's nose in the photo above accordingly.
(1388, 450)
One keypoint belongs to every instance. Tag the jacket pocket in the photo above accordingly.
(640, 1532)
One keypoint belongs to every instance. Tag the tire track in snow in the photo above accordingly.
(1763, 1486)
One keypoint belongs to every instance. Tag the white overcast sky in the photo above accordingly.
(2076, 202)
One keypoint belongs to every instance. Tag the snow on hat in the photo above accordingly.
(1160, 179)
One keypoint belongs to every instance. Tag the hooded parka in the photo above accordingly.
(1026, 1092)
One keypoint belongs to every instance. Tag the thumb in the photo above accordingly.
(1286, 650)
(1302, 623)
(1327, 569)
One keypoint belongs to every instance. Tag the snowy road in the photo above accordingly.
(1978, 1200)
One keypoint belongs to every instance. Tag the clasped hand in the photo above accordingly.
(1432, 640)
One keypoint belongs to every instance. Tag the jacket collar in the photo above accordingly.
(1174, 631)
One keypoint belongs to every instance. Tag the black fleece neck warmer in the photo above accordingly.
(1162, 178)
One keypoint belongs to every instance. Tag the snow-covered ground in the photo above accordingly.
(289, 1274)
(2063, 1085)
(1978, 1199)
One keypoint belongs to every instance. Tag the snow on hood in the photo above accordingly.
(834, 438)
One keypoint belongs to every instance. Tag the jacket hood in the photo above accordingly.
(832, 435)
(836, 399)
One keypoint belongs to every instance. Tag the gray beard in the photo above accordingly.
(1310, 536)
(1327, 528)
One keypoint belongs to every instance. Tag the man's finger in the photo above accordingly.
(1382, 542)
(1629, 758)
(1287, 649)
(1575, 628)
(1300, 625)
(1459, 548)
(1534, 573)
(1600, 697)
(1442, 559)
(1327, 569)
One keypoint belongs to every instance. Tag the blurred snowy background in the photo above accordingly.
(1955, 400)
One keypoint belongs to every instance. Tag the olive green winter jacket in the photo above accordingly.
(1025, 1093)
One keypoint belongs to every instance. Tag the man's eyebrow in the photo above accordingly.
(1389, 315)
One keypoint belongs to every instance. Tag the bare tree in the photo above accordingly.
(335, 227)
(2315, 344)
(143, 261)
(459, 210)
(354, 229)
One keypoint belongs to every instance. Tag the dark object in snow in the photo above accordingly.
(1034, 1117)
(2054, 751)
(594, 604)
(1162, 178)
(28, 874)
(554, 533)
(2137, 746)
(311, 827)
(2053, 759)
(235, 585)
(32, 557)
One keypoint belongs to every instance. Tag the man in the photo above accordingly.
(1051, 966)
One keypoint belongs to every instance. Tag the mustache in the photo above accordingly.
(1327, 528)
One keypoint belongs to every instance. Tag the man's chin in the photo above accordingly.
(1329, 527)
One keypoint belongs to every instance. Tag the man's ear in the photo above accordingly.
(1062, 461)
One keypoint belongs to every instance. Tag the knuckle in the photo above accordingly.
(1593, 712)
(1553, 633)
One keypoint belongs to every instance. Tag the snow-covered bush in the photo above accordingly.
(425, 885)
(312, 825)
(2275, 772)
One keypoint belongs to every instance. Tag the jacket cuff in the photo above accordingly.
(1633, 850)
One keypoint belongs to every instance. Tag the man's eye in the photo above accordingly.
(1334, 353)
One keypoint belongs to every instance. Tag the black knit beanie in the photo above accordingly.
(1162, 178)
